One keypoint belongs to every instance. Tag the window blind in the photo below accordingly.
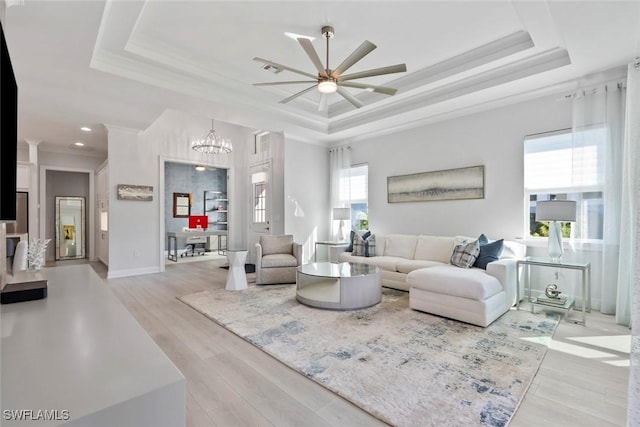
(565, 161)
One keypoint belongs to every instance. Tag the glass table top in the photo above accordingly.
(344, 269)
(546, 261)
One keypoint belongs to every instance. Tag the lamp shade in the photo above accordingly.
(341, 213)
(556, 210)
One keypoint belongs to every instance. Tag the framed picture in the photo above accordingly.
(135, 192)
(450, 184)
(181, 205)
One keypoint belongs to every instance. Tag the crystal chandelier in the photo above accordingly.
(212, 143)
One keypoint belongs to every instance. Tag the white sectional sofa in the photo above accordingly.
(421, 265)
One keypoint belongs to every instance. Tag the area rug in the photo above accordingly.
(405, 367)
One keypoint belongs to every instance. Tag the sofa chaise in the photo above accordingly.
(421, 265)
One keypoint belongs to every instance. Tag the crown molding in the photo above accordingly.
(532, 65)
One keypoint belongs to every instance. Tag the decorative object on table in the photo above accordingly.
(557, 301)
(384, 359)
(212, 143)
(551, 291)
(35, 253)
(341, 214)
(143, 193)
(451, 184)
(555, 211)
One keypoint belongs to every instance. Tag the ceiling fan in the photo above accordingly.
(329, 81)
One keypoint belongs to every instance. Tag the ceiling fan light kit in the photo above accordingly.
(329, 81)
(327, 86)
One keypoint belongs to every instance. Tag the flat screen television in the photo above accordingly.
(8, 133)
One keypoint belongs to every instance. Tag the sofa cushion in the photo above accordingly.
(364, 246)
(401, 245)
(279, 260)
(434, 248)
(276, 244)
(470, 283)
(407, 266)
(489, 251)
(465, 255)
(352, 236)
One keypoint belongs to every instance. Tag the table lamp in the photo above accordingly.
(341, 214)
(555, 211)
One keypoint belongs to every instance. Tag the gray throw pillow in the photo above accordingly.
(465, 255)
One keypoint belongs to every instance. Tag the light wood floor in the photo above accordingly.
(582, 381)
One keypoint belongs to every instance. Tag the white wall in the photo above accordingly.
(136, 228)
(306, 204)
(493, 139)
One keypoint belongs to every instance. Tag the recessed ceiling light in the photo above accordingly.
(200, 168)
(299, 36)
(85, 129)
(79, 144)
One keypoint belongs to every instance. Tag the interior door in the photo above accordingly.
(261, 197)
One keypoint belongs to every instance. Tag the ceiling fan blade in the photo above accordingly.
(398, 68)
(324, 104)
(295, 95)
(284, 67)
(313, 56)
(283, 83)
(352, 99)
(365, 48)
(379, 89)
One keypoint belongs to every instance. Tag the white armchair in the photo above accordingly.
(277, 258)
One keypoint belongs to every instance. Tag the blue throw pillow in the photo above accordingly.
(489, 251)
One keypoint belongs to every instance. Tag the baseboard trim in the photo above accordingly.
(133, 272)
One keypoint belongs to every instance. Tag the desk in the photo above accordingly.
(80, 350)
(585, 267)
(172, 237)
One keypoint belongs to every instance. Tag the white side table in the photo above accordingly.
(236, 278)
(584, 267)
(327, 243)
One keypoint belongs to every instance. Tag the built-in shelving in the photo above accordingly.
(216, 207)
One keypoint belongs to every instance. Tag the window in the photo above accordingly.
(359, 189)
(259, 183)
(567, 166)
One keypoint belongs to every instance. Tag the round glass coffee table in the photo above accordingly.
(344, 286)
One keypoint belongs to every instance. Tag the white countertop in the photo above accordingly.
(79, 350)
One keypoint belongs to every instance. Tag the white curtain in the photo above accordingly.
(339, 185)
(630, 289)
(598, 150)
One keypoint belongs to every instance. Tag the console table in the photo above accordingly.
(81, 353)
(584, 267)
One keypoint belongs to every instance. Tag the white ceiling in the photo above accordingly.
(88, 63)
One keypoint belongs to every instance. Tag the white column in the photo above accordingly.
(34, 191)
